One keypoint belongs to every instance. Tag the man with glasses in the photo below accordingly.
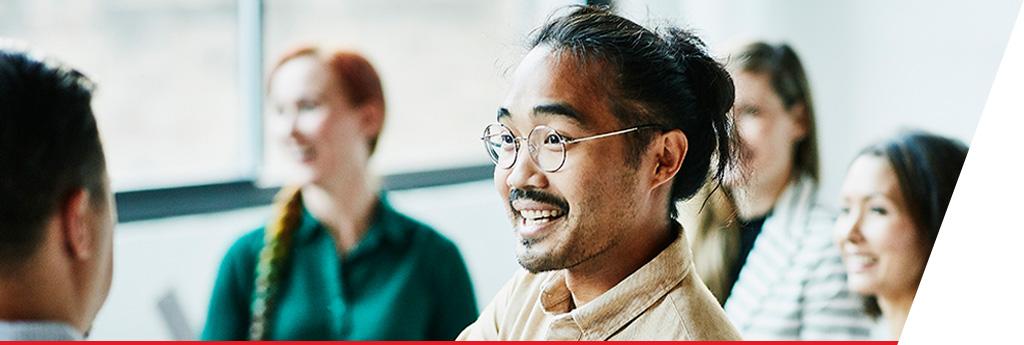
(606, 126)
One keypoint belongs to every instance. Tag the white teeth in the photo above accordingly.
(861, 260)
(538, 215)
(303, 152)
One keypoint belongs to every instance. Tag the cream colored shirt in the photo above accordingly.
(38, 330)
(663, 300)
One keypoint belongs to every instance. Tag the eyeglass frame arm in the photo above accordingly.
(609, 134)
(579, 140)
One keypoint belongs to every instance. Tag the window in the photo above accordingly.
(179, 94)
(167, 100)
(442, 62)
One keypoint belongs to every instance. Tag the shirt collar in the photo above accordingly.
(601, 318)
(38, 330)
(383, 228)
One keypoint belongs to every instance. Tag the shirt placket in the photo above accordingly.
(564, 327)
(340, 306)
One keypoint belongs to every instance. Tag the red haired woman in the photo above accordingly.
(336, 261)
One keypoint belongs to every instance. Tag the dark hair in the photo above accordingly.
(927, 167)
(49, 146)
(789, 81)
(664, 77)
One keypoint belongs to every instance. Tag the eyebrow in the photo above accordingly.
(558, 109)
(870, 196)
(551, 109)
(883, 195)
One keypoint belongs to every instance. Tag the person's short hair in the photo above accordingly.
(927, 167)
(360, 82)
(49, 147)
(664, 77)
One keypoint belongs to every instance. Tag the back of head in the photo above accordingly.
(780, 63)
(664, 77)
(49, 147)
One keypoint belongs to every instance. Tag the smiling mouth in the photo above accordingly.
(534, 211)
(539, 217)
(534, 219)
(860, 262)
(304, 153)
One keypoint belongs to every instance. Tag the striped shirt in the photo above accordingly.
(793, 285)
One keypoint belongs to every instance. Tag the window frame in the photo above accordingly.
(156, 203)
(159, 203)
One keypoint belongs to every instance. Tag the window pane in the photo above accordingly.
(443, 64)
(167, 97)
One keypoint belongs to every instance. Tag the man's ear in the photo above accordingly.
(670, 158)
(74, 224)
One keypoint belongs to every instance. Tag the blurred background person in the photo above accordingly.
(336, 261)
(56, 209)
(893, 201)
(763, 243)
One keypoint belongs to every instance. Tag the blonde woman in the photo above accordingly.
(761, 242)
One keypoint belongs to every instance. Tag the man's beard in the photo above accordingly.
(567, 254)
(536, 262)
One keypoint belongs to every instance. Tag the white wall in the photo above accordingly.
(152, 258)
(875, 66)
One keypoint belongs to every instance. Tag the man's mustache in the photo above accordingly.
(538, 196)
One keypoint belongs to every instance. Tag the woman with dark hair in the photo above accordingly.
(336, 261)
(893, 201)
(762, 244)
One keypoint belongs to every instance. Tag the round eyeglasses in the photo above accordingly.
(545, 145)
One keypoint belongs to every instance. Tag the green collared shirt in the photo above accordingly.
(403, 281)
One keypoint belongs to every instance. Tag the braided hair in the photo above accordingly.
(276, 245)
